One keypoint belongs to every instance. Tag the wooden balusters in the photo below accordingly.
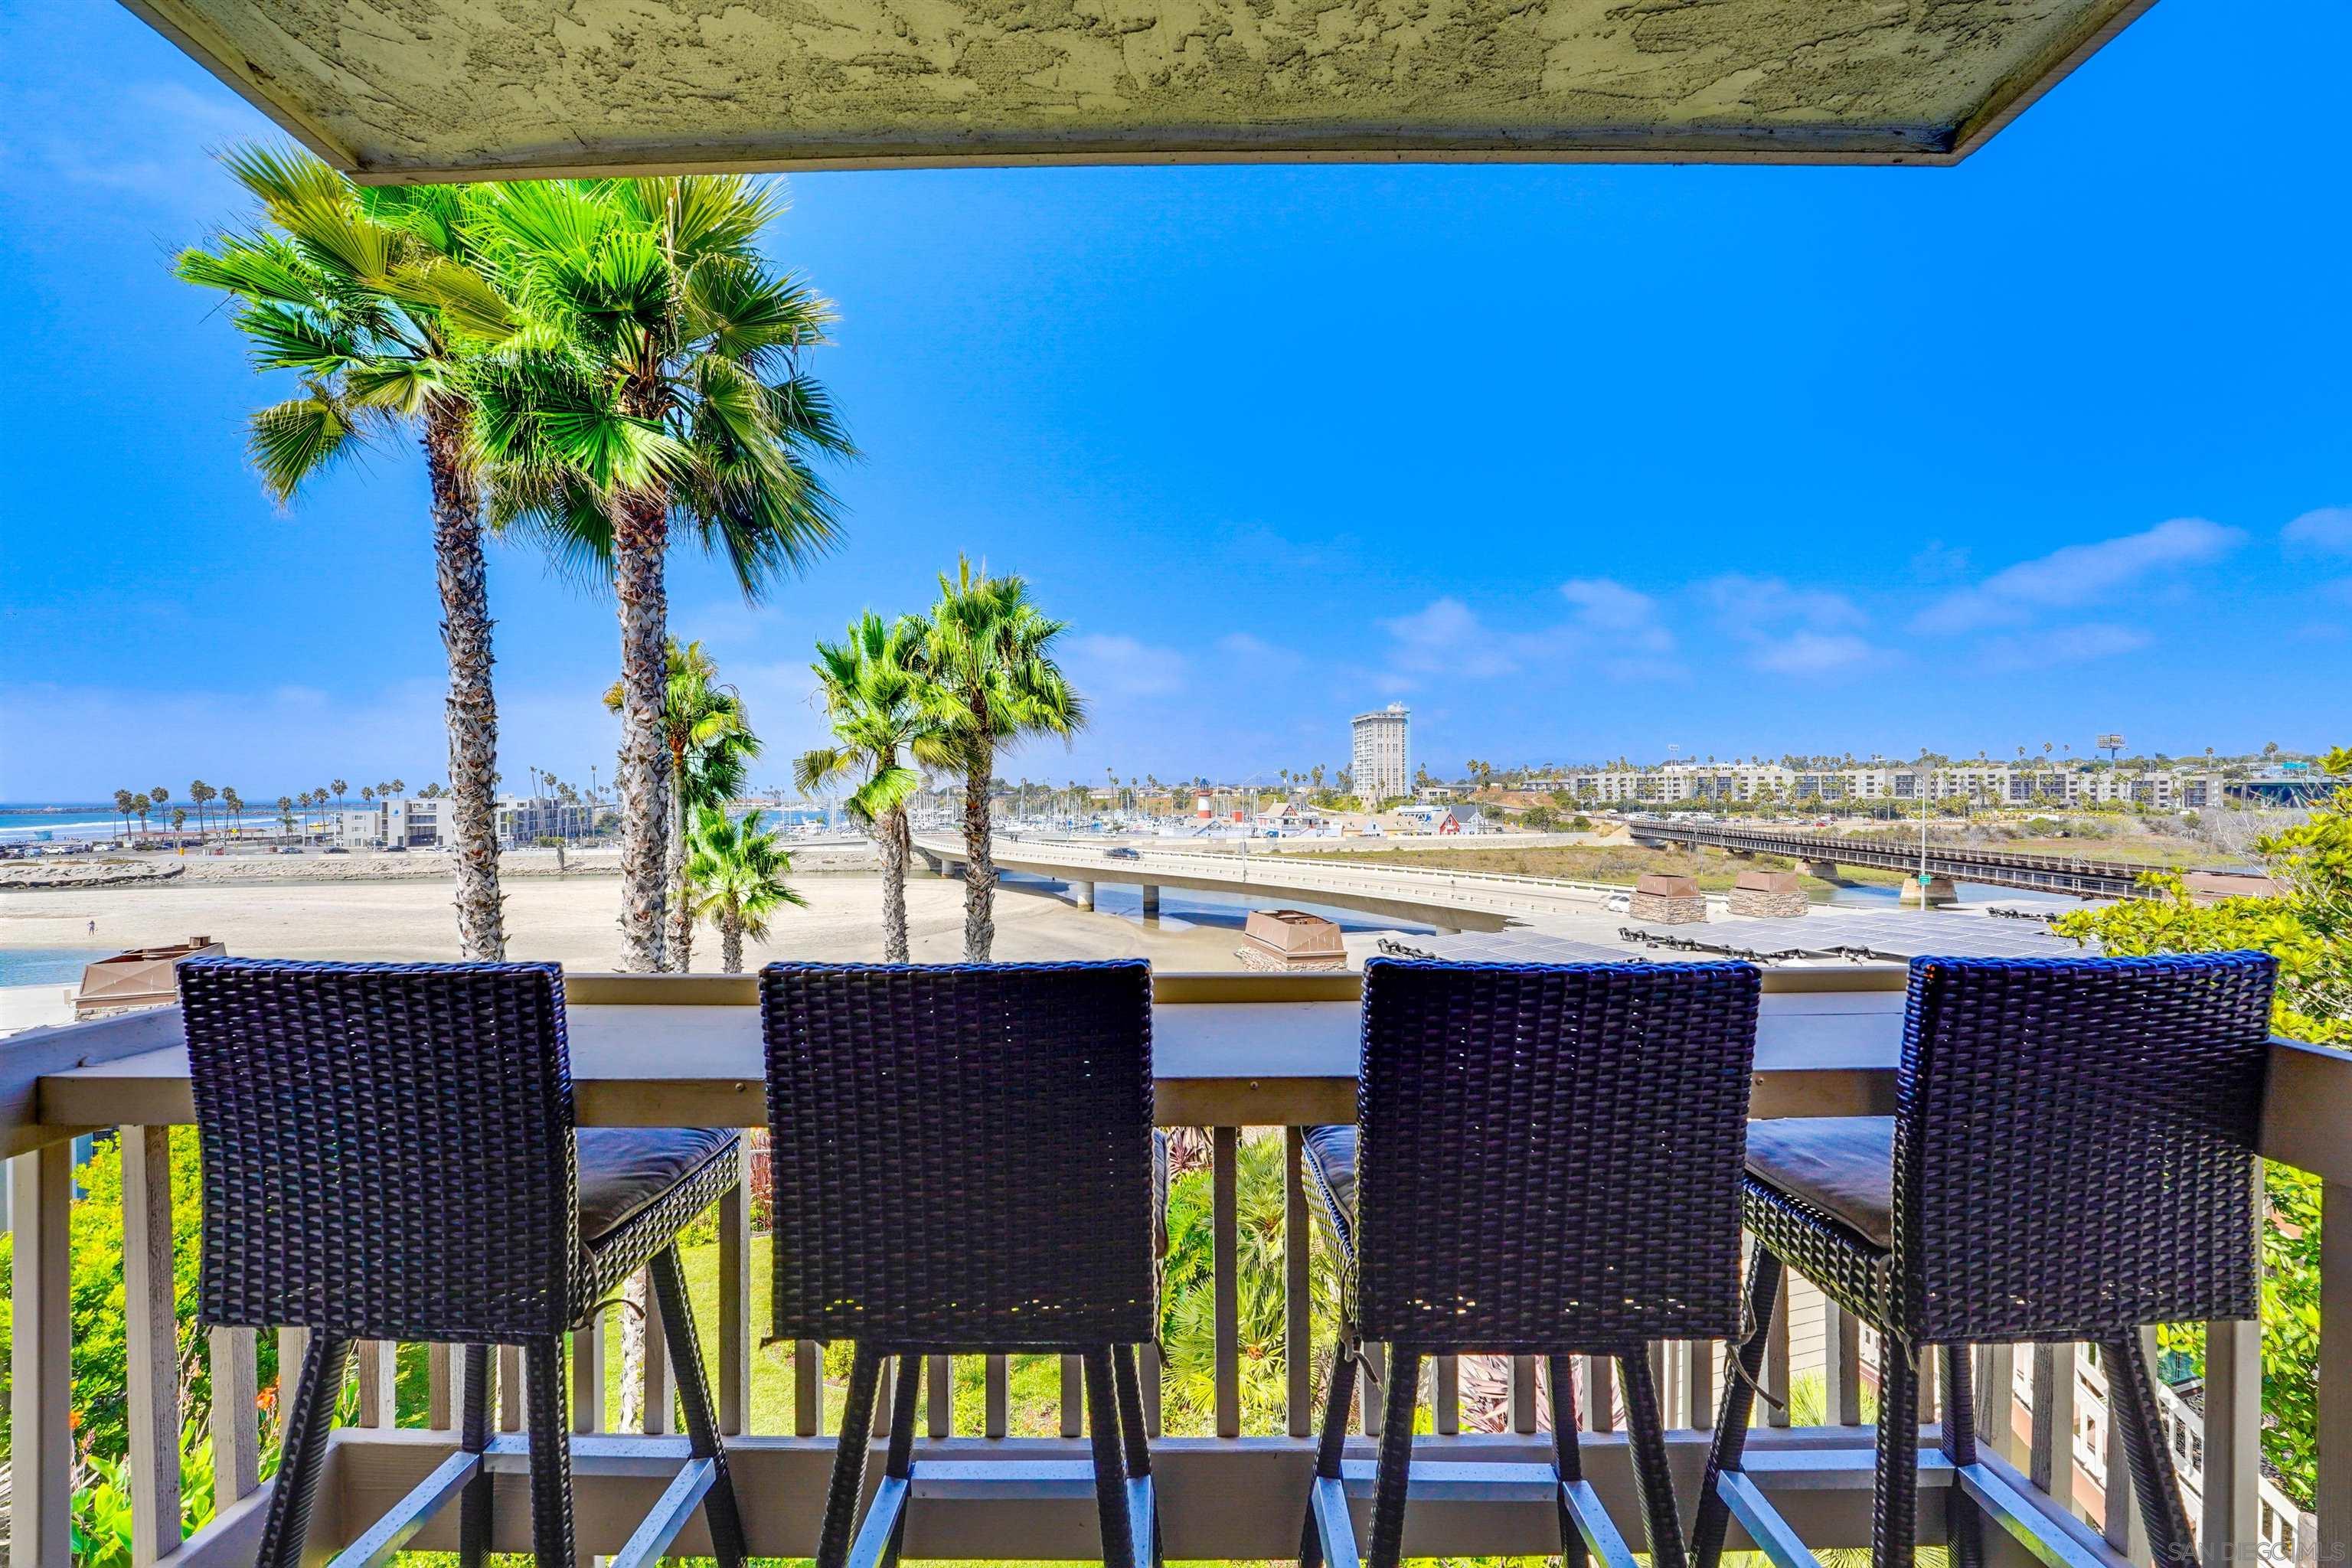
(588, 1376)
(808, 1389)
(235, 1416)
(2050, 1462)
(1841, 1365)
(1445, 1400)
(378, 1370)
(939, 1375)
(1995, 1397)
(1298, 1324)
(509, 1382)
(734, 1392)
(151, 1343)
(997, 1416)
(1598, 1381)
(2333, 1490)
(1224, 1179)
(1522, 1396)
(1074, 1408)
(40, 1191)
(660, 1384)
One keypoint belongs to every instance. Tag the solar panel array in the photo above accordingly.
(1863, 934)
(1506, 947)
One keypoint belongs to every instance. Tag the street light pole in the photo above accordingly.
(1923, 832)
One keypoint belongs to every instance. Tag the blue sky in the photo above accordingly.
(1577, 461)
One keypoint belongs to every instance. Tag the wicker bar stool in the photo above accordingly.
(389, 1153)
(1545, 1162)
(964, 1163)
(2070, 1159)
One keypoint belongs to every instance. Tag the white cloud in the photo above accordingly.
(1788, 630)
(1448, 638)
(2326, 532)
(1124, 666)
(2015, 651)
(2076, 576)
(156, 147)
(1259, 653)
(1756, 601)
(1812, 653)
(1607, 604)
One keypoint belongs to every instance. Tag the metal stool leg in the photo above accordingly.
(1396, 1456)
(849, 1458)
(1333, 1445)
(1894, 1523)
(473, 1436)
(308, 1427)
(694, 1392)
(899, 1462)
(1103, 1426)
(1138, 1442)
(1713, 1515)
(551, 1449)
(2132, 1397)
(1963, 1525)
(1645, 1432)
(1566, 1456)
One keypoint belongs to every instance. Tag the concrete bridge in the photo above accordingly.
(1945, 864)
(1450, 900)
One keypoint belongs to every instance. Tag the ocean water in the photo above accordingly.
(47, 965)
(21, 820)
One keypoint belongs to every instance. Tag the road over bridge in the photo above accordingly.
(1450, 900)
(2042, 873)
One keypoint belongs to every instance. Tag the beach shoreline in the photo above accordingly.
(575, 920)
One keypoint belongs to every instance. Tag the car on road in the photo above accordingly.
(1121, 852)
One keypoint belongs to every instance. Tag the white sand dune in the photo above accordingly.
(575, 920)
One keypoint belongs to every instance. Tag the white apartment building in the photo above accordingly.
(1382, 766)
(1984, 784)
(418, 823)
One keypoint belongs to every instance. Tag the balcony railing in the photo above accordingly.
(1235, 1492)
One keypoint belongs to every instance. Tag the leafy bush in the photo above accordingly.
(2307, 927)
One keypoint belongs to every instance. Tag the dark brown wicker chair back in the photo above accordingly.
(961, 1153)
(387, 1147)
(2073, 1143)
(1551, 1155)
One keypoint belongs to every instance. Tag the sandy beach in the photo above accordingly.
(575, 920)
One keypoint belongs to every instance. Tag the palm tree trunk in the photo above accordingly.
(642, 777)
(979, 863)
(730, 943)
(680, 936)
(897, 843)
(471, 706)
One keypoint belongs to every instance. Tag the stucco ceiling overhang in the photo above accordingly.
(416, 90)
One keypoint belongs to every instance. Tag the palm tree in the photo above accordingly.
(708, 747)
(354, 290)
(651, 382)
(179, 819)
(122, 809)
(873, 701)
(234, 805)
(140, 805)
(285, 813)
(990, 682)
(735, 879)
(161, 797)
(201, 794)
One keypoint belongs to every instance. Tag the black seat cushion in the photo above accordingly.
(1841, 1165)
(625, 1169)
(1331, 1160)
